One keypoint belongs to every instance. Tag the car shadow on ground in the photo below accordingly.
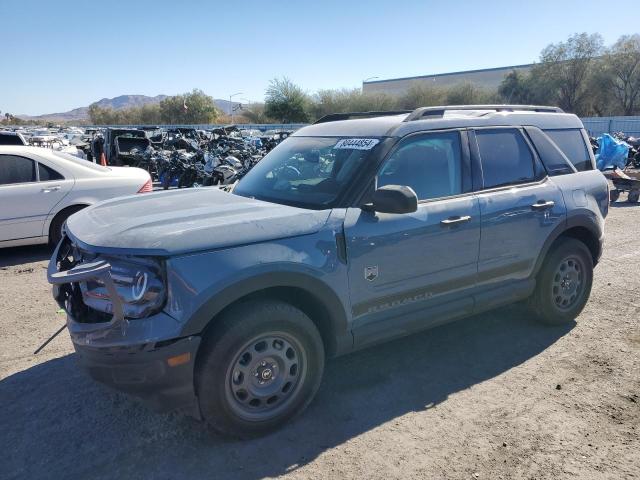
(56, 422)
(14, 256)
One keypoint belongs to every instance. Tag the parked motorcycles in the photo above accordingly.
(185, 157)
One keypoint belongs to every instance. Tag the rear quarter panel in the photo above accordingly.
(586, 196)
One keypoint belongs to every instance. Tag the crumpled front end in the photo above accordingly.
(117, 326)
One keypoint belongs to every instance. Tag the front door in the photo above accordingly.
(407, 270)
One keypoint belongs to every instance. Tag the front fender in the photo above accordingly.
(201, 285)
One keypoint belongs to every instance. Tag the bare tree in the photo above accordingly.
(622, 70)
(567, 65)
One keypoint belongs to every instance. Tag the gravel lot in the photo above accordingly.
(493, 396)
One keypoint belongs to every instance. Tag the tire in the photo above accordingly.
(634, 196)
(55, 229)
(614, 195)
(259, 366)
(563, 284)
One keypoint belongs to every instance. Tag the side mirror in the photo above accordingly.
(393, 199)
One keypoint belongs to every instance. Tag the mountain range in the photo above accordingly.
(121, 102)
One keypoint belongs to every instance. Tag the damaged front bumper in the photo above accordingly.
(145, 357)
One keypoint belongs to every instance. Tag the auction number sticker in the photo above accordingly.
(356, 144)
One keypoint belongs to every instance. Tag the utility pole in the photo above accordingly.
(231, 103)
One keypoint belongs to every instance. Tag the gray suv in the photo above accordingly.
(360, 228)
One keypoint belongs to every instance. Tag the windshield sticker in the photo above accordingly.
(356, 144)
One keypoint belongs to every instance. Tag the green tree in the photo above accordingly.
(254, 113)
(200, 108)
(420, 95)
(325, 102)
(286, 102)
(468, 94)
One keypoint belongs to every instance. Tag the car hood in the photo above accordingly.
(183, 221)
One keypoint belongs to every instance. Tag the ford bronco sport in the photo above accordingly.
(357, 229)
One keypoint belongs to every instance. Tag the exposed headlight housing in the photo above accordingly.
(139, 282)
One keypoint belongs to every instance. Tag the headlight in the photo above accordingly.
(139, 283)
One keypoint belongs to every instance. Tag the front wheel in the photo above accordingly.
(564, 283)
(260, 366)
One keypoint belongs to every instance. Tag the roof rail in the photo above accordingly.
(334, 117)
(424, 112)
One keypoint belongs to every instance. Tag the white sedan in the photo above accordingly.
(40, 188)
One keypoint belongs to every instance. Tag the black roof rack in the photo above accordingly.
(334, 117)
(425, 112)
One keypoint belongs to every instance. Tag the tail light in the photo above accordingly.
(147, 187)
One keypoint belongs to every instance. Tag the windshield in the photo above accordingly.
(309, 172)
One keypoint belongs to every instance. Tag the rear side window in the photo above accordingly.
(47, 173)
(572, 144)
(14, 169)
(8, 139)
(552, 157)
(505, 156)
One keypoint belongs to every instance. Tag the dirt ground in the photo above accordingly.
(495, 396)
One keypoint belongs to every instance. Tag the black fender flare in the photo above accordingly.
(574, 221)
(342, 341)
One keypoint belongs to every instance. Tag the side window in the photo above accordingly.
(6, 139)
(572, 144)
(47, 173)
(552, 157)
(505, 156)
(14, 169)
(430, 164)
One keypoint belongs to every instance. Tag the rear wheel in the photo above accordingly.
(564, 283)
(56, 229)
(260, 366)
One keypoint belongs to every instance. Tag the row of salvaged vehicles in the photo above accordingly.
(178, 157)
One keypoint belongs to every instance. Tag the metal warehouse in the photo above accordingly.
(485, 78)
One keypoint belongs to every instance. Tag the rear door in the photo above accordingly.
(400, 265)
(25, 201)
(519, 204)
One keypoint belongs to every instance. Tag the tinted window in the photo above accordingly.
(506, 158)
(47, 173)
(573, 146)
(10, 139)
(430, 164)
(552, 157)
(15, 169)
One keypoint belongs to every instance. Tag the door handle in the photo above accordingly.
(455, 220)
(543, 205)
(51, 189)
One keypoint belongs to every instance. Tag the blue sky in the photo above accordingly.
(66, 54)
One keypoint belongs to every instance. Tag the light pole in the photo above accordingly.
(366, 80)
(231, 103)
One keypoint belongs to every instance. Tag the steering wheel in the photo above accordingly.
(294, 169)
